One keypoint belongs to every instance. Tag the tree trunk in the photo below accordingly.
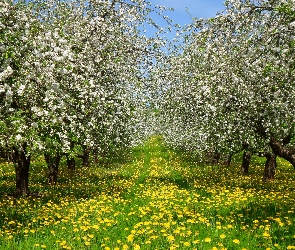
(21, 163)
(71, 163)
(85, 157)
(52, 164)
(246, 162)
(228, 160)
(286, 152)
(270, 167)
(216, 157)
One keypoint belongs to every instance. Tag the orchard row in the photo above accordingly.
(232, 87)
(71, 79)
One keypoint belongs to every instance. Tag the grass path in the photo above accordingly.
(156, 200)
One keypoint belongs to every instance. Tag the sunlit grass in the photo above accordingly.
(156, 200)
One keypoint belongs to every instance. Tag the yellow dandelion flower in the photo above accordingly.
(170, 238)
(136, 247)
(63, 243)
(186, 244)
(91, 236)
(207, 240)
(130, 237)
(222, 236)
(236, 241)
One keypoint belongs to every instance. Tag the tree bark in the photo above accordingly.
(216, 157)
(286, 152)
(71, 163)
(85, 157)
(52, 164)
(228, 160)
(270, 167)
(246, 162)
(21, 163)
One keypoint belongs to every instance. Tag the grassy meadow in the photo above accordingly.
(157, 199)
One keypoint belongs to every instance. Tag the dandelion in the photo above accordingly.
(236, 241)
(207, 240)
(63, 243)
(130, 237)
(91, 236)
(222, 236)
(186, 244)
(171, 238)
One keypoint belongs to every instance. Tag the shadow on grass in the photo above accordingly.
(83, 183)
(69, 189)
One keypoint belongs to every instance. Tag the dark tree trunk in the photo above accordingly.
(286, 152)
(21, 163)
(52, 164)
(216, 157)
(228, 160)
(85, 157)
(270, 167)
(71, 163)
(246, 162)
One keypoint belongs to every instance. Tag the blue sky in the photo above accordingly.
(197, 8)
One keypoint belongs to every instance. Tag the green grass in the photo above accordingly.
(155, 200)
